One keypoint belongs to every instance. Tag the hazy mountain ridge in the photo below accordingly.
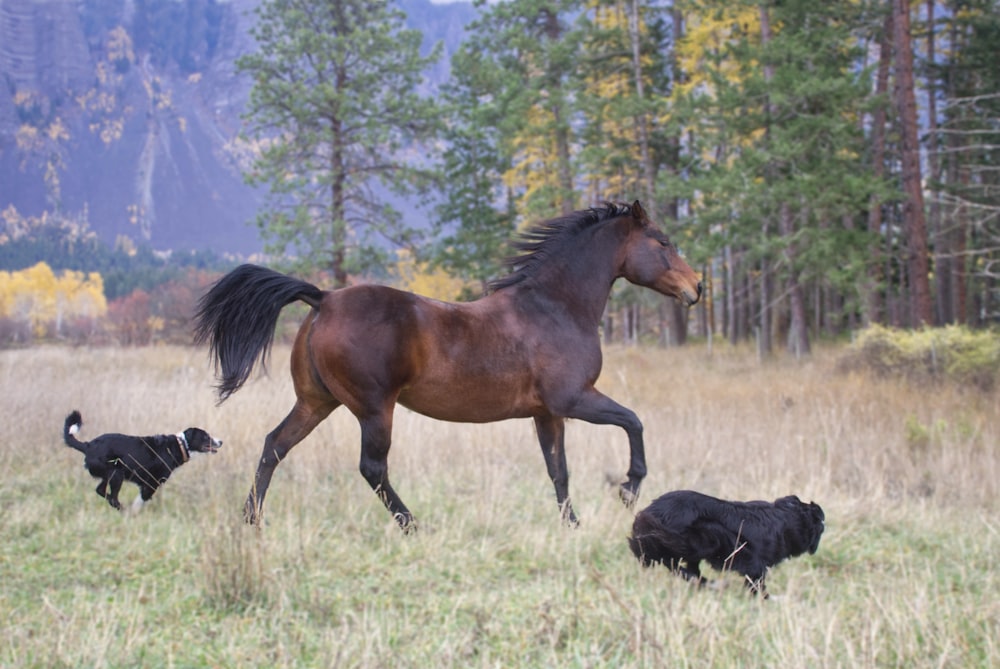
(147, 150)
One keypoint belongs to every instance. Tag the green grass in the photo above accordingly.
(904, 576)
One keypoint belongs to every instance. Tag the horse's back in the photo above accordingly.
(458, 361)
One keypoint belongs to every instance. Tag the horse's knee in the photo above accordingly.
(273, 453)
(375, 440)
(374, 471)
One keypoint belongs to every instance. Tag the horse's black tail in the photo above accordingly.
(237, 317)
(72, 426)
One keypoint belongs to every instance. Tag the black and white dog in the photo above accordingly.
(145, 461)
(682, 528)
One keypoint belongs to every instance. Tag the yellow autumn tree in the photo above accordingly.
(702, 55)
(612, 102)
(103, 102)
(41, 141)
(38, 297)
(534, 171)
(708, 32)
(417, 277)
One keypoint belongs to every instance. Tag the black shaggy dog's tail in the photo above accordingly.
(237, 317)
(72, 426)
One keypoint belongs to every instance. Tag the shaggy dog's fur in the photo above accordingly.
(145, 461)
(682, 528)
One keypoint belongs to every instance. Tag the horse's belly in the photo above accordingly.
(470, 405)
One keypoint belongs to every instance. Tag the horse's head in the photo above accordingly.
(650, 260)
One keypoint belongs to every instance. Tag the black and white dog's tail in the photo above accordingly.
(73, 423)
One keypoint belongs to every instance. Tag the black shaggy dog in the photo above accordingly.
(145, 461)
(682, 528)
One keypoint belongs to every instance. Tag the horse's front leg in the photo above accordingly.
(551, 437)
(594, 407)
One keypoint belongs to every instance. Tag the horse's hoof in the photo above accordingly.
(628, 494)
(570, 520)
(251, 515)
(567, 515)
(406, 522)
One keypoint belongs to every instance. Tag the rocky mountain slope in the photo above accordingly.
(125, 114)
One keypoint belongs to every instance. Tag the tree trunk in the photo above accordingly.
(765, 340)
(798, 334)
(957, 175)
(642, 122)
(745, 304)
(959, 244)
(706, 307)
(732, 319)
(914, 219)
(566, 203)
(564, 172)
(943, 258)
(338, 174)
(677, 314)
(874, 311)
(765, 344)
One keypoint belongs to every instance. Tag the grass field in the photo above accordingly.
(905, 576)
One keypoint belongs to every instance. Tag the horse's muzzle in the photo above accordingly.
(691, 298)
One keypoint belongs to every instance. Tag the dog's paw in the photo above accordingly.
(137, 505)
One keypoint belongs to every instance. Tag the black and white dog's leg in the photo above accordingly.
(145, 494)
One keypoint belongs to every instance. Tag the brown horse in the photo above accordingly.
(528, 349)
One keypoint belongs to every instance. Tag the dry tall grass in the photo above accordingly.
(904, 576)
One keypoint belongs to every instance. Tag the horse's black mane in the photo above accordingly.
(539, 242)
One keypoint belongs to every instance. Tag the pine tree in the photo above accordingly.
(969, 141)
(914, 216)
(474, 219)
(533, 45)
(778, 114)
(334, 109)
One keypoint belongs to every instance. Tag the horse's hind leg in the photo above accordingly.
(294, 428)
(551, 437)
(376, 437)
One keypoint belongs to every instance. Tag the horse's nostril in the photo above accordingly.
(699, 289)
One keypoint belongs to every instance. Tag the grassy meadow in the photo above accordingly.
(905, 576)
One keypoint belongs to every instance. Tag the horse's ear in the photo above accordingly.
(638, 213)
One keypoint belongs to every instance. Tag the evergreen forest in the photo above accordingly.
(825, 166)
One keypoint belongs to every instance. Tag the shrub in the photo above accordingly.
(953, 353)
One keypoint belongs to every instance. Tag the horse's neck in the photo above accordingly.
(582, 288)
